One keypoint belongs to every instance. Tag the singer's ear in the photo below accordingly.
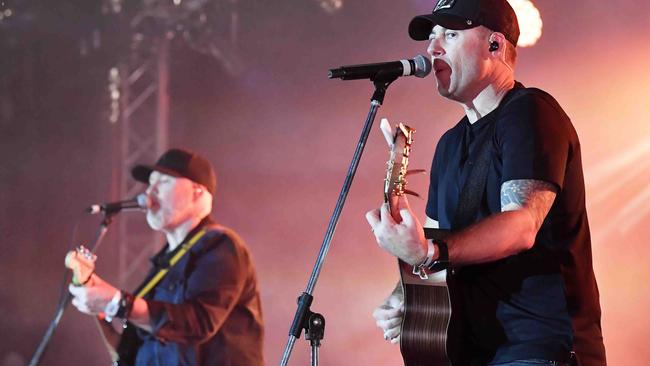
(496, 42)
(198, 190)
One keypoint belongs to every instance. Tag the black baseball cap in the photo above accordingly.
(496, 15)
(180, 163)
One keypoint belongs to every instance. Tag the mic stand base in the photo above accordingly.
(315, 333)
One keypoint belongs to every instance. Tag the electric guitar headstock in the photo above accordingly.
(82, 263)
(399, 142)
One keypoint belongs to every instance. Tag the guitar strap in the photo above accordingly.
(185, 247)
(474, 186)
(130, 342)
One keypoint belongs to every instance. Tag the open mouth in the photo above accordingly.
(154, 205)
(439, 66)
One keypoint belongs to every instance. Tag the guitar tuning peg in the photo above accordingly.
(415, 171)
(82, 250)
(406, 191)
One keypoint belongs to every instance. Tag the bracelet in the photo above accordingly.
(112, 308)
(421, 269)
(431, 250)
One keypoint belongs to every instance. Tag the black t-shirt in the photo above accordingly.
(541, 303)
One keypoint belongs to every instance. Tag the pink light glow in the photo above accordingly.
(530, 22)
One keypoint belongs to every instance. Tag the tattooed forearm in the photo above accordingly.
(536, 195)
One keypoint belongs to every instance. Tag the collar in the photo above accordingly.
(161, 259)
(490, 116)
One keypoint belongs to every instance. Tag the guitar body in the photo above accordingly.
(427, 312)
(429, 334)
(128, 347)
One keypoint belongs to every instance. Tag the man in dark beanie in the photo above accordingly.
(200, 304)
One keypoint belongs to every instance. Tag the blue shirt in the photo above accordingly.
(206, 310)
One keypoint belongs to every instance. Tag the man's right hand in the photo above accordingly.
(389, 316)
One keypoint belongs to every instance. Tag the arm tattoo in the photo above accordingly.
(536, 195)
(515, 194)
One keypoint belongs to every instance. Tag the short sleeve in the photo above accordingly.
(535, 140)
(432, 200)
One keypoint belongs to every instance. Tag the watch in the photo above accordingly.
(125, 305)
(442, 262)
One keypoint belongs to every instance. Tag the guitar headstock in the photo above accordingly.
(82, 263)
(397, 165)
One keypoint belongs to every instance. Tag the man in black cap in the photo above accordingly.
(200, 304)
(507, 181)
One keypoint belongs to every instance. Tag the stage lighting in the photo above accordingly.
(114, 83)
(530, 22)
(331, 6)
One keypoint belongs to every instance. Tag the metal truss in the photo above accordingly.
(139, 108)
(138, 87)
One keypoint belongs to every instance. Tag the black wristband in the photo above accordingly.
(443, 257)
(126, 305)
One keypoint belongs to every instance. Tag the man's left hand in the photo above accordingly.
(404, 239)
(93, 297)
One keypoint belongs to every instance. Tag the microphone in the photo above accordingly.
(419, 66)
(140, 202)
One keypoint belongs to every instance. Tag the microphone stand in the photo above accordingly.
(65, 295)
(314, 323)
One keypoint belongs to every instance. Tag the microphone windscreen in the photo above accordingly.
(422, 66)
(143, 201)
(94, 209)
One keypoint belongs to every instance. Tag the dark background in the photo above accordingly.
(281, 136)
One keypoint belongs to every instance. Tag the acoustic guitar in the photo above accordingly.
(427, 336)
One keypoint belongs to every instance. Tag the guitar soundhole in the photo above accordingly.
(424, 329)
